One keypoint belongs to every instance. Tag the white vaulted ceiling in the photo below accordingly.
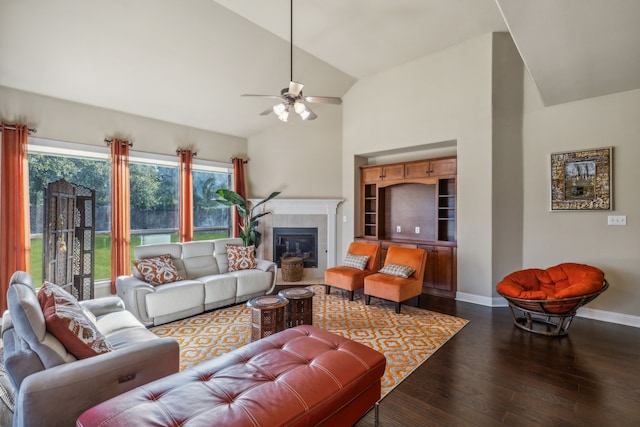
(187, 62)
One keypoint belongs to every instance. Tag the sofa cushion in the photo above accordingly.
(220, 251)
(241, 257)
(175, 297)
(148, 251)
(67, 321)
(251, 283)
(397, 270)
(356, 261)
(219, 290)
(157, 270)
(198, 259)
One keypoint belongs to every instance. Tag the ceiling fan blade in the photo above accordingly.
(311, 116)
(295, 88)
(267, 111)
(261, 96)
(323, 99)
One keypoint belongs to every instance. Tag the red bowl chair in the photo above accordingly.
(352, 278)
(545, 301)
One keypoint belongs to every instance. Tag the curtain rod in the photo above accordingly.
(109, 141)
(13, 127)
(180, 150)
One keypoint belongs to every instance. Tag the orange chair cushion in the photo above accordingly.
(561, 281)
(350, 278)
(395, 288)
(392, 288)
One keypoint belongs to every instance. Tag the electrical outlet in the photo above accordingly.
(417, 230)
(398, 229)
(344, 218)
(617, 220)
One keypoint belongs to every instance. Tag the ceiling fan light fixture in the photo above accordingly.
(279, 109)
(299, 107)
(305, 114)
(284, 116)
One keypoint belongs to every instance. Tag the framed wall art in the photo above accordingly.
(581, 180)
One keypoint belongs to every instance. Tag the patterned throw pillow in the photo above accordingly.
(241, 257)
(157, 270)
(397, 270)
(66, 320)
(356, 261)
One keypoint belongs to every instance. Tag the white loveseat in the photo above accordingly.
(207, 284)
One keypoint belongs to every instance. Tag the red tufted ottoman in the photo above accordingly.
(303, 376)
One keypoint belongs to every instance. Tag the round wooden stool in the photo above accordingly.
(299, 311)
(267, 315)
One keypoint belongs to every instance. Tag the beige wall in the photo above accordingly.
(71, 122)
(434, 100)
(300, 159)
(551, 237)
(478, 95)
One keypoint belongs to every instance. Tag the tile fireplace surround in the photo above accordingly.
(315, 213)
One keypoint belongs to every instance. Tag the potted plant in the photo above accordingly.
(249, 226)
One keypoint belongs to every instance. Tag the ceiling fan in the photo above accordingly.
(291, 98)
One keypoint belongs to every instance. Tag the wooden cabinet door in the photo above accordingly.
(417, 170)
(373, 174)
(443, 167)
(444, 268)
(393, 172)
(438, 275)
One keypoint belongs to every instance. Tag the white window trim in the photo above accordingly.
(53, 147)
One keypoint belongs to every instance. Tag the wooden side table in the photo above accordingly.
(267, 315)
(299, 311)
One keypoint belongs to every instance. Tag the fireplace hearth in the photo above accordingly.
(299, 242)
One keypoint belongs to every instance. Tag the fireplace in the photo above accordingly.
(299, 242)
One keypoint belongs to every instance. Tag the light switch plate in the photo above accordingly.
(617, 220)
(399, 229)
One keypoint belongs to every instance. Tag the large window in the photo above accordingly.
(210, 219)
(153, 197)
(50, 162)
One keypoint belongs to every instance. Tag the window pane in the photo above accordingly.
(211, 220)
(154, 204)
(91, 173)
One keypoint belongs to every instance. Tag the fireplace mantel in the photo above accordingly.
(328, 207)
(301, 206)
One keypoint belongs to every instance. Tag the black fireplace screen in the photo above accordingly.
(296, 242)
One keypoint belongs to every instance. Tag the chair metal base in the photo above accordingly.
(548, 317)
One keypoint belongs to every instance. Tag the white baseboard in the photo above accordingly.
(480, 300)
(588, 313)
(609, 316)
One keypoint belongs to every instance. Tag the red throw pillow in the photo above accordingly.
(241, 257)
(157, 270)
(67, 321)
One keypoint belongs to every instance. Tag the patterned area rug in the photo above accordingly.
(406, 339)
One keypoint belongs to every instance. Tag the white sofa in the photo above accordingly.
(207, 282)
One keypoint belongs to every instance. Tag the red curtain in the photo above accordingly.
(240, 187)
(15, 243)
(186, 195)
(120, 217)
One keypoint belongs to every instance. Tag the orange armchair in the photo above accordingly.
(393, 286)
(545, 301)
(352, 278)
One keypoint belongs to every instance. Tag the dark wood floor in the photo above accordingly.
(494, 374)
